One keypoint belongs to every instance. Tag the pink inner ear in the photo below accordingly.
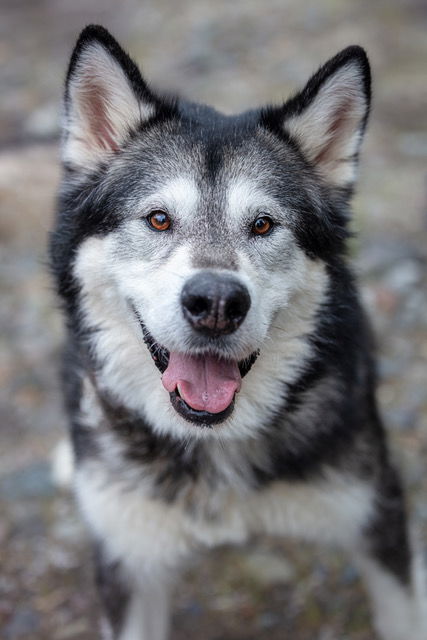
(94, 104)
(342, 120)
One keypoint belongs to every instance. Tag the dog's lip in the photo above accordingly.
(201, 418)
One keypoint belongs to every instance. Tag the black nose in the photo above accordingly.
(215, 304)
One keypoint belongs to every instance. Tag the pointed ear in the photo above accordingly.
(105, 99)
(328, 117)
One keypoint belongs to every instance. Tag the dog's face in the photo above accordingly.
(199, 234)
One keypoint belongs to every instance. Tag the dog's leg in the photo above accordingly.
(392, 569)
(136, 607)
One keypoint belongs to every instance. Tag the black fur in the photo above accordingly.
(112, 589)
(387, 534)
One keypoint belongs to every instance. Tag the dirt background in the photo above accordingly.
(234, 55)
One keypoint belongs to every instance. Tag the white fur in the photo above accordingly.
(105, 629)
(148, 614)
(399, 613)
(154, 536)
(283, 310)
(128, 370)
(179, 196)
(62, 467)
(244, 196)
(332, 150)
(99, 74)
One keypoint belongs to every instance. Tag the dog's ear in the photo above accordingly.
(327, 118)
(105, 99)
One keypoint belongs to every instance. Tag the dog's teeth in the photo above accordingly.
(179, 390)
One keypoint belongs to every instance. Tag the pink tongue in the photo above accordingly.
(205, 382)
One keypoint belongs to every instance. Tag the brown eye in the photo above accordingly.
(262, 226)
(159, 221)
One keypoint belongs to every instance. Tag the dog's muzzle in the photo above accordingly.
(202, 388)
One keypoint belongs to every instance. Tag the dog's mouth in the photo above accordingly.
(202, 388)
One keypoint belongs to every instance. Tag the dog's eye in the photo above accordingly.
(262, 226)
(159, 220)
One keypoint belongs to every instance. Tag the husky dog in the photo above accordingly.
(219, 373)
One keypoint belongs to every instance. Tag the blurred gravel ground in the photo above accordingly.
(232, 54)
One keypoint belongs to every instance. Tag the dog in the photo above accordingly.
(219, 371)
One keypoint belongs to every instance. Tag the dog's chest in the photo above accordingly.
(151, 532)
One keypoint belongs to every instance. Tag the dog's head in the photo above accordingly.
(205, 236)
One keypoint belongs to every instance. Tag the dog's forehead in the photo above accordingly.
(212, 156)
(216, 176)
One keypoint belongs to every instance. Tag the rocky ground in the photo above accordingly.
(233, 55)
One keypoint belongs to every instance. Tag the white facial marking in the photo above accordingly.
(244, 195)
(284, 302)
(128, 369)
(180, 196)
